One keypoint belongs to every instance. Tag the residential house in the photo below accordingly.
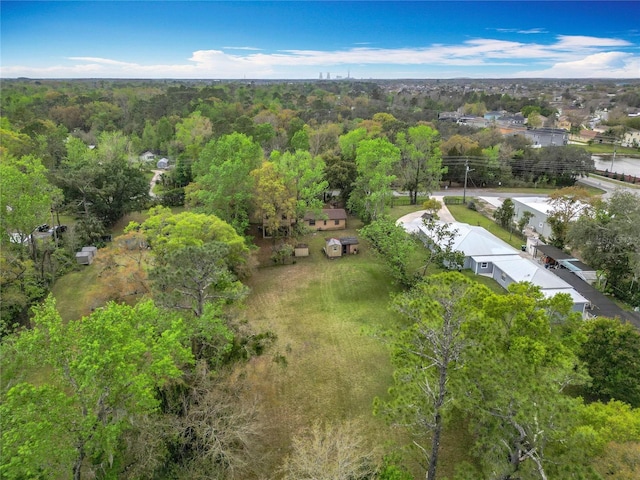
(631, 139)
(585, 136)
(487, 255)
(511, 120)
(147, 156)
(540, 208)
(547, 137)
(328, 219)
(564, 123)
(511, 270)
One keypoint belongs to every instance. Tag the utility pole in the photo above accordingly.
(613, 158)
(466, 174)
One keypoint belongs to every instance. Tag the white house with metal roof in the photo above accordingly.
(486, 254)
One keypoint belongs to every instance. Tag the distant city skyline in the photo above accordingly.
(301, 39)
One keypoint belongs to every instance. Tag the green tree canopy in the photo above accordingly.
(607, 237)
(376, 160)
(102, 183)
(103, 369)
(223, 184)
(420, 166)
(612, 355)
(427, 354)
(305, 174)
(167, 232)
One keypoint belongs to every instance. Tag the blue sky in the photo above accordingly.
(300, 39)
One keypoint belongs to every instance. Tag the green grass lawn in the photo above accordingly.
(328, 362)
(604, 148)
(326, 314)
(465, 215)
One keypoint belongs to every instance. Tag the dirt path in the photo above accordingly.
(152, 183)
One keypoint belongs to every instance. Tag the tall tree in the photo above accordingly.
(375, 160)
(305, 174)
(523, 358)
(566, 206)
(103, 369)
(612, 355)
(192, 276)
(103, 183)
(26, 198)
(427, 354)
(420, 166)
(223, 184)
(192, 133)
(394, 245)
(607, 237)
(275, 200)
(504, 214)
(167, 232)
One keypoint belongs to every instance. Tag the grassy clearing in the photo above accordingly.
(75, 292)
(324, 313)
(465, 215)
(604, 148)
(329, 364)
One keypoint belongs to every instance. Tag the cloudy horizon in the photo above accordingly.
(232, 40)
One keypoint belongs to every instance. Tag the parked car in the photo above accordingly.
(42, 228)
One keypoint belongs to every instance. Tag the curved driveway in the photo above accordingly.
(152, 183)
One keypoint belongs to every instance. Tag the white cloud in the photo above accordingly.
(532, 31)
(568, 56)
(105, 61)
(241, 48)
(580, 41)
(598, 65)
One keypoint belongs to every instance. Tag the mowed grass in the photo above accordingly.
(328, 362)
(465, 215)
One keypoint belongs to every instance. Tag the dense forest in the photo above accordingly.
(147, 383)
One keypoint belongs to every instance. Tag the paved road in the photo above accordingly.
(608, 186)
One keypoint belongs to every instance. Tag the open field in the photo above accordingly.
(329, 364)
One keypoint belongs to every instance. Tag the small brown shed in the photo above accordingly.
(349, 245)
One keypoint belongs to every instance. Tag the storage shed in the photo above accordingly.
(163, 164)
(333, 248)
(301, 250)
(349, 245)
(92, 250)
(84, 258)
